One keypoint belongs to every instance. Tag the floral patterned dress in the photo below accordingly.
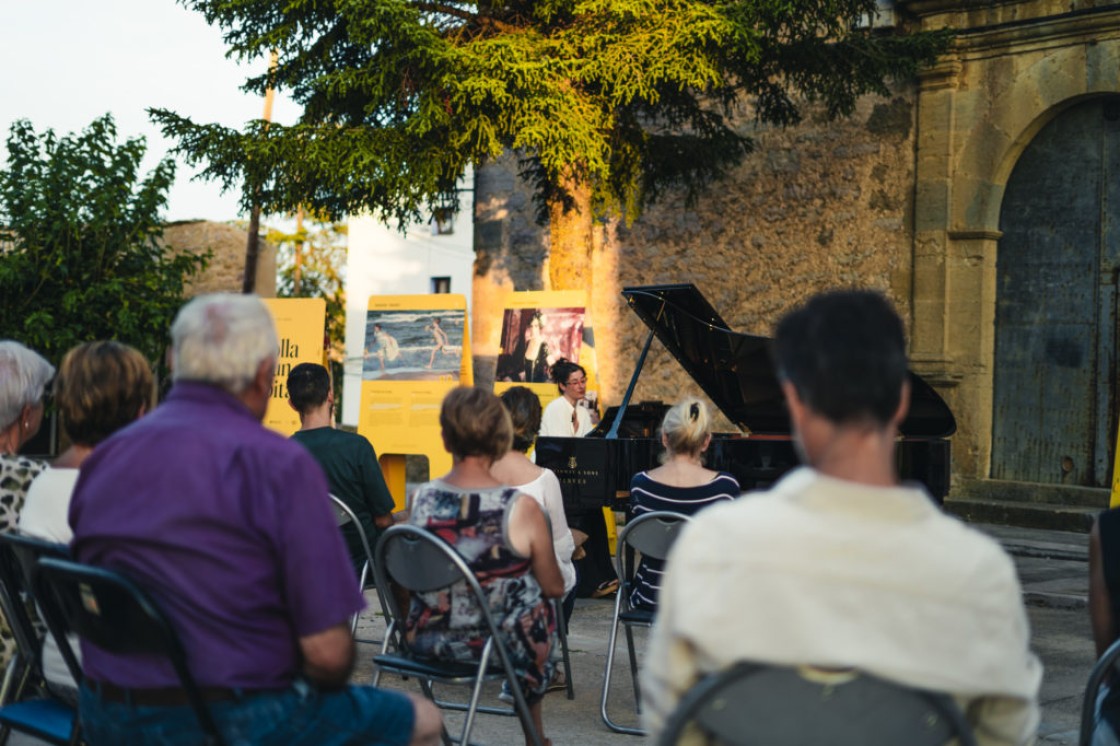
(448, 624)
(16, 473)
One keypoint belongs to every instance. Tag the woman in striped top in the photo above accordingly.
(680, 485)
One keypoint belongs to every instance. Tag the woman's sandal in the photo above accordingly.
(606, 588)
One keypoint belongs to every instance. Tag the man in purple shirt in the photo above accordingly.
(229, 525)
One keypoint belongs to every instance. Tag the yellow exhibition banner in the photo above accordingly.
(417, 348)
(539, 328)
(300, 324)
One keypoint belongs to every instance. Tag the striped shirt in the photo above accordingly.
(648, 495)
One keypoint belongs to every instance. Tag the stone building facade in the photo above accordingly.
(906, 196)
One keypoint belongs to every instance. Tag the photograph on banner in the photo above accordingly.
(535, 338)
(413, 345)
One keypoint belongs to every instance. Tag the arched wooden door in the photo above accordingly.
(1057, 268)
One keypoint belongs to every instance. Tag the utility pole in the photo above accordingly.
(252, 246)
(300, 246)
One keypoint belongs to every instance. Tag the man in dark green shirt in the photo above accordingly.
(347, 459)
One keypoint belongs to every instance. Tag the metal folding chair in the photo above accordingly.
(651, 535)
(116, 615)
(44, 717)
(756, 705)
(346, 516)
(1104, 666)
(420, 562)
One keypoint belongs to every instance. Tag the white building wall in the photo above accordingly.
(383, 261)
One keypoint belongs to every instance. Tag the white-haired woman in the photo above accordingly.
(680, 485)
(24, 376)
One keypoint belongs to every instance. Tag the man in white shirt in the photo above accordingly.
(838, 565)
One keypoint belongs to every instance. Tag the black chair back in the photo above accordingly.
(419, 562)
(18, 557)
(116, 615)
(755, 705)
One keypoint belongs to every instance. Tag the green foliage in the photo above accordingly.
(78, 254)
(629, 97)
(310, 263)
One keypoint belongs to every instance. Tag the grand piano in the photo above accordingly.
(736, 372)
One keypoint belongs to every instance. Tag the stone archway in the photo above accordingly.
(979, 109)
(1055, 321)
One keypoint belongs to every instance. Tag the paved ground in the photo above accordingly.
(1053, 569)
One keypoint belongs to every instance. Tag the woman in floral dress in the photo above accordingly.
(505, 540)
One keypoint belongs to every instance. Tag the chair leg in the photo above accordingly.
(613, 638)
(476, 692)
(562, 630)
(16, 676)
(633, 668)
(426, 688)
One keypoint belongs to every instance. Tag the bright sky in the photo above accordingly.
(66, 62)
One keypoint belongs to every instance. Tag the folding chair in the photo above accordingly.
(116, 615)
(755, 705)
(1104, 666)
(345, 516)
(44, 717)
(650, 534)
(421, 562)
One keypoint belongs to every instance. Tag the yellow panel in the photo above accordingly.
(567, 332)
(408, 367)
(300, 324)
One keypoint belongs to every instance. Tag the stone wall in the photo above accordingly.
(817, 206)
(226, 271)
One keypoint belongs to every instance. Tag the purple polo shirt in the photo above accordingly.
(228, 524)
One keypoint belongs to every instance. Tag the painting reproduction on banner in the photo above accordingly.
(413, 345)
(535, 338)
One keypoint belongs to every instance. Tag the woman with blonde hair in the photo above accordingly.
(680, 485)
(100, 388)
(502, 535)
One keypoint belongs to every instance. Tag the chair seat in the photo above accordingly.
(48, 719)
(637, 617)
(438, 670)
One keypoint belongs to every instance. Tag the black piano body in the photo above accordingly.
(736, 372)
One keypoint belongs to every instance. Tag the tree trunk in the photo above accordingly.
(571, 240)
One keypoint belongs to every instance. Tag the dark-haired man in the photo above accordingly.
(838, 565)
(348, 459)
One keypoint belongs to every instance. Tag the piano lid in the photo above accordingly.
(736, 370)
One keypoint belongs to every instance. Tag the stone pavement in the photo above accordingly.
(1053, 569)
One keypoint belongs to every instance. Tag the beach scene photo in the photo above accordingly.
(413, 345)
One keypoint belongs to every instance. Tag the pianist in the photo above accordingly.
(568, 415)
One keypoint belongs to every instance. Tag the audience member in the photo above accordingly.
(1104, 600)
(100, 388)
(516, 470)
(230, 525)
(838, 565)
(24, 376)
(680, 485)
(504, 538)
(348, 459)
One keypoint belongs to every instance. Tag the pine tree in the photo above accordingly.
(611, 102)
